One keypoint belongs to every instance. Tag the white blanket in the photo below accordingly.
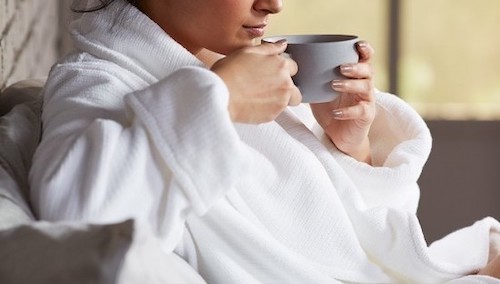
(135, 127)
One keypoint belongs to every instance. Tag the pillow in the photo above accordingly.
(19, 137)
(147, 263)
(20, 92)
(13, 210)
(20, 130)
(76, 253)
(61, 253)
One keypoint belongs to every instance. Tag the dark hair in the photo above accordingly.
(77, 5)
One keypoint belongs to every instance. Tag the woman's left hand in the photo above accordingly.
(347, 119)
(492, 268)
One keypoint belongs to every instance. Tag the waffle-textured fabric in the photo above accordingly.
(136, 127)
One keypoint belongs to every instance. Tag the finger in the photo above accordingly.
(363, 87)
(295, 97)
(292, 66)
(365, 51)
(357, 70)
(361, 111)
(268, 48)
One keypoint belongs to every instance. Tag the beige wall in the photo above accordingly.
(30, 37)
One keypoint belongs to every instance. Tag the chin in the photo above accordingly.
(230, 48)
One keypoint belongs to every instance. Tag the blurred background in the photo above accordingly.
(442, 57)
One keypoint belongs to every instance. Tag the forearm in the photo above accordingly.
(176, 153)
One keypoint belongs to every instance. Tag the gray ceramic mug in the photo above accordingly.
(319, 58)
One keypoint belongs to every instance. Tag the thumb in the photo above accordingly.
(271, 48)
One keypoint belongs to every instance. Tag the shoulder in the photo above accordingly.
(81, 74)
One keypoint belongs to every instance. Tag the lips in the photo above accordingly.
(255, 30)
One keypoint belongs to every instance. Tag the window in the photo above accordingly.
(450, 58)
(443, 57)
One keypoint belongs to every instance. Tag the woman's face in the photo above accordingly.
(218, 25)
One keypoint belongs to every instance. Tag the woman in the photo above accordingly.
(218, 156)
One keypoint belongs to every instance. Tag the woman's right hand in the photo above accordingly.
(259, 82)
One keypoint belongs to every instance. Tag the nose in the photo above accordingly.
(268, 6)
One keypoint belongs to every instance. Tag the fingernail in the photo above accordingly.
(346, 69)
(362, 44)
(337, 113)
(281, 41)
(338, 84)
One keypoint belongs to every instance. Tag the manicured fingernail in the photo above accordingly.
(338, 84)
(346, 69)
(281, 41)
(337, 113)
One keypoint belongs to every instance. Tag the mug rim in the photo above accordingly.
(311, 38)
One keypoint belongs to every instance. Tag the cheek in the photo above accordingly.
(219, 26)
(228, 13)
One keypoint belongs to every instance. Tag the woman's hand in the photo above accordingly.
(492, 268)
(259, 82)
(347, 119)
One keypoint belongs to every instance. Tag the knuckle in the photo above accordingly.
(295, 99)
(285, 82)
(362, 111)
(282, 64)
(368, 111)
(370, 85)
(371, 70)
(356, 68)
(288, 84)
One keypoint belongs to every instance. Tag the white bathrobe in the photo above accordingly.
(136, 127)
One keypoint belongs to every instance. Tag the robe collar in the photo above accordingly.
(124, 35)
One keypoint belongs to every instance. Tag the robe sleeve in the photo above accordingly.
(156, 155)
(400, 143)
